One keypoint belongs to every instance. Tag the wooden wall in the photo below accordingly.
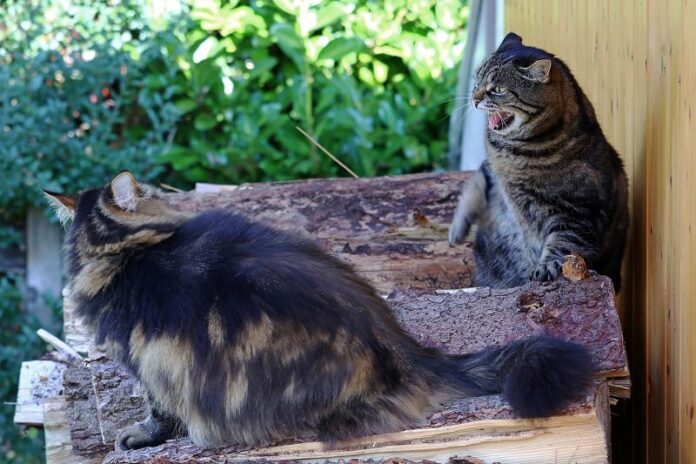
(636, 61)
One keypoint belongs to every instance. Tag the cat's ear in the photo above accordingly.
(63, 205)
(124, 188)
(539, 71)
(511, 40)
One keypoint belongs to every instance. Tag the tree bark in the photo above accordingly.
(85, 432)
(455, 321)
(392, 229)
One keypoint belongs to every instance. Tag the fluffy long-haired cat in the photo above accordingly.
(241, 334)
(551, 185)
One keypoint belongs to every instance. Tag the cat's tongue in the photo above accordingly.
(499, 119)
(494, 120)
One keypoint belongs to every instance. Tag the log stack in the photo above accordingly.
(393, 231)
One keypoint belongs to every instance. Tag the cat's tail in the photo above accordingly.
(538, 376)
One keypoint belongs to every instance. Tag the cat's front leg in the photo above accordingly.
(471, 202)
(157, 428)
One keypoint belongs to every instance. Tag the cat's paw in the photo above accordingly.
(458, 231)
(547, 270)
(135, 436)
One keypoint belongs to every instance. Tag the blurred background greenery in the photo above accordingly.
(208, 90)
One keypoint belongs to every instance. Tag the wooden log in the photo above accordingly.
(82, 416)
(581, 311)
(468, 320)
(481, 428)
(392, 229)
(119, 400)
(59, 449)
(38, 380)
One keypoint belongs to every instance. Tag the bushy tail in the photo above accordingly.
(538, 376)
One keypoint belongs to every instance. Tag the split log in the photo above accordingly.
(468, 320)
(82, 415)
(456, 321)
(59, 449)
(38, 380)
(480, 427)
(119, 399)
(392, 229)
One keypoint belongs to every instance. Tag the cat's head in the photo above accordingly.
(122, 215)
(515, 84)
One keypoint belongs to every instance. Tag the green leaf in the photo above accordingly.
(288, 41)
(446, 12)
(380, 71)
(287, 6)
(329, 14)
(209, 47)
(241, 19)
(366, 76)
(197, 174)
(155, 81)
(340, 47)
(204, 122)
(185, 105)
(179, 157)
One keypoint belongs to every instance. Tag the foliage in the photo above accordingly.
(370, 80)
(68, 94)
(18, 342)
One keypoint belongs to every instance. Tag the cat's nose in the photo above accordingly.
(477, 97)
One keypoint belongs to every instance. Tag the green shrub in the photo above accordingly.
(370, 80)
(69, 96)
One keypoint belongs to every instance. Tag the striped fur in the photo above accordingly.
(243, 334)
(551, 185)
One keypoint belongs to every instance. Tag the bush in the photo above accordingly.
(69, 84)
(370, 80)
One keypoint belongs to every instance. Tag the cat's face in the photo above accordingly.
(514, 85)
(104, 222)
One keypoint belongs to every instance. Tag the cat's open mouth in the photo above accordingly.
(499, 119)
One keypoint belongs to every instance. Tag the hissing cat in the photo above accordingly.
(551, 184)
(241, 334)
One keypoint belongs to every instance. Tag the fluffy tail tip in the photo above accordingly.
(546, 375)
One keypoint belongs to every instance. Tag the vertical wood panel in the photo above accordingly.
(636, 60)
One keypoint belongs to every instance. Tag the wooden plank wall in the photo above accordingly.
(636, 60)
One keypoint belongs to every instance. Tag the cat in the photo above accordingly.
(242, 334)
(551, 184)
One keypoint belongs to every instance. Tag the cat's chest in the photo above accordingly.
(518, 218)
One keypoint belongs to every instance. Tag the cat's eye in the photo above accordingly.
(499, 90)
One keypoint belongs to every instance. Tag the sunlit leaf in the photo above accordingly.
(380, 70)
(207, 48)
(328, 14)
(340, 47)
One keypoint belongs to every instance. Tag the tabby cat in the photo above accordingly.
(551, 184)
(241, 334)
